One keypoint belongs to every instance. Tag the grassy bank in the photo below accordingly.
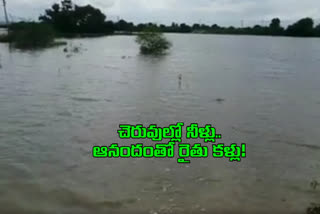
(30, 35)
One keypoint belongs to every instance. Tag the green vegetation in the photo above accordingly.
(275, 27)
(152, 41)
(69, 18)
(303, 28)
(317, 31)
(30, 35)
(314, 209)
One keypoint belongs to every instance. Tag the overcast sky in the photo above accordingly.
(222, 12)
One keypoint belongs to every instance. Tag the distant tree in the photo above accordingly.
(275, 27)
(70, 18)
(215, 27)
(317, 30)
(275, 23)
(67, 5)
(205, 27)
(304, 28)
(259, 30)
(109, 27)
(174, 27)
(151, 25)
(53, 16)
(121, 25)
(245, 30)
(231, 29)
(163, 28)
(141, 27)
(89, 19)
(67, 17)
(195, 26)
(130, 26)
(184, 28)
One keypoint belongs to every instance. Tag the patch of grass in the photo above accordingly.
(30, 35)
(152, 42)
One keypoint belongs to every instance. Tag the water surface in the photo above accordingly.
(55, 106)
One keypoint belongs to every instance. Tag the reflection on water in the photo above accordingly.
(262, 91)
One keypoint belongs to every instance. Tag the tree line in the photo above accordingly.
(68, 17)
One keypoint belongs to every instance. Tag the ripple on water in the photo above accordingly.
(122, 82)
(309, 146)
(274, 73)
(289, 140)
(244, 131)
(207, 180)
(35, 125)
(37, 197)
(65, 114)
(111, 67)
(118, 204)
(84, 99)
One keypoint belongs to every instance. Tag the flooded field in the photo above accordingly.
(55, 106)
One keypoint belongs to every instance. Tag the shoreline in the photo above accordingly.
(122, 33)
(128, 33)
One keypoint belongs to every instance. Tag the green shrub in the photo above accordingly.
(30, 35)
(314, 209)
(152, 41)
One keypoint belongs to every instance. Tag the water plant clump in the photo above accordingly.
(152, 41)
(30, 35)
(314, 209)
(314, 184)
